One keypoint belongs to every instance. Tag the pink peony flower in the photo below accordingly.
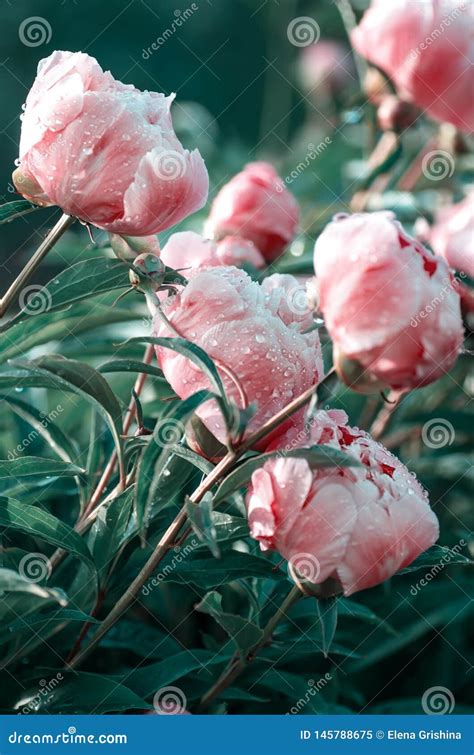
(452, 235)
(104, 151)
(425, 48)
(328, 64)
(353, 526)
(188, 250)
(256, 205)
(389, 305)
(246, 332)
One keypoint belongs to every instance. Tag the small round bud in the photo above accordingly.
(396, 115)
(149, 268)
(355, 376)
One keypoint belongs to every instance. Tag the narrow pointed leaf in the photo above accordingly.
(12, 210)
(38, 523)
(34, 466)
(327, 613)
(244, 634)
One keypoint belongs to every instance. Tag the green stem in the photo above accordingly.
(169, 537)
(239, 663)
(53, 236)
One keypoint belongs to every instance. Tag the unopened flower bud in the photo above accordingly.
(355, 376)
(147, 268)
(396, 115)
(127, 247)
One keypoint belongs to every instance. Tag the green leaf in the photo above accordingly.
(10, 582)
(44, 425)
(81, 280)
(350, 608)
(159, 450)
(95, 453)
(195, 459)
(81, 692)
(59, 616)
(32, 331)
(318, 457)
(437, 556)
(40, 624)
(244, 634)
(12, 210)
(199, 357)
(427, 619)
(327, 613)
(77, 377)
(200, 519)
(45, 526)
(131, 365)
(107, 532)
(145, 640)
(208, 573)
(147, 680)
(292, 686)
(32, 466)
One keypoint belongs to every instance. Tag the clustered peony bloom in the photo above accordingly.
(348, 527)
(393, 315)
(188, 250)
(256, 205)
(248, 328)
(425, 48)
(105, 152)
(452, 234)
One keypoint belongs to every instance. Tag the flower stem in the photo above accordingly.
(131, 411)
(382, 420)
(53, 236)
(169, 537)
(239, 663)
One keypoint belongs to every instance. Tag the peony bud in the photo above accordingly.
(393, 313)
(343, 529)
(105, 152)
(425, 48)
(256, 205)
